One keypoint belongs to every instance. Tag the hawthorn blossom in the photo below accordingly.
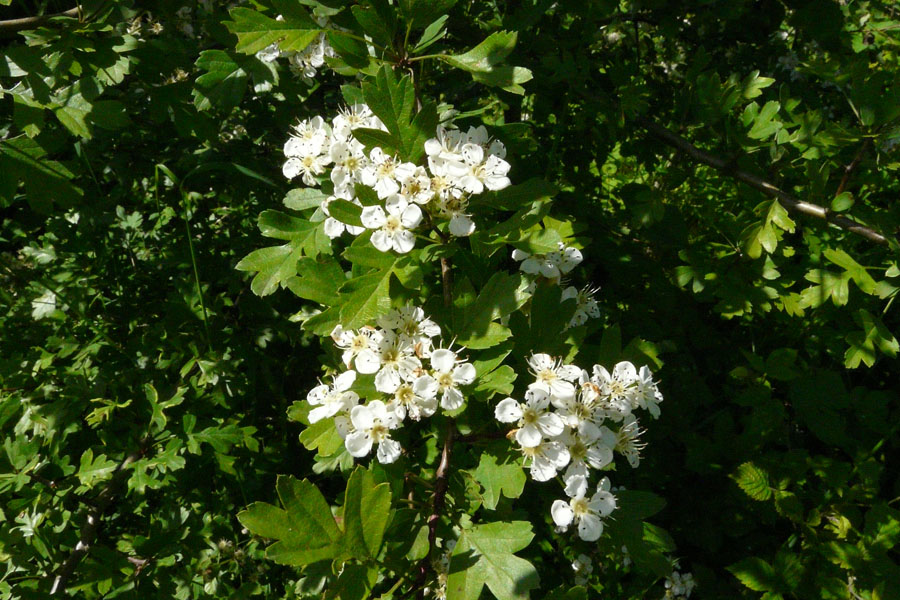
(679, 586)
(361, 347)
(416, 399)
(372, 423)
(545, 459)
(451, 373)
(392, 224)
(412, 322)
(647, 394)
(628, 442)
(589, 446)
(551, 265)
(330, 400)
(534, 419)
(586, 514)
(585, 305)
(583, 569)
(617, 389)
(553, 377)
(397, 362)
(383, 173)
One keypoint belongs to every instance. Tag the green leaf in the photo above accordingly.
(367, 512)
(501, 295)
(421, 12)
(484, 555)
(756, 574)
(317, 280)
(841, 202)
(367, 298)
(110, 114)
(379, 25)
(484, 63)
(256, 31)
(515, 197)
(224, 83)
(506, 479)
(305, 530)
(345, 212)
(276, 265)
(46, 181)
(93, 469)
(304, 198)
(73, 115)
(753, 84)
(753, 480)
(432, 34)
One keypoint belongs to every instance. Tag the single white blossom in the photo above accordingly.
(392, 224)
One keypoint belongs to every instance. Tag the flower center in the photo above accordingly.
(393, 224)
(359, 343)
(445, 380)
(580, 506)
(547, 376)
(405, 394)
(379, 432)
(529, 416)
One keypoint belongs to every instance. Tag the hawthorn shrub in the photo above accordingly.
(394, 299)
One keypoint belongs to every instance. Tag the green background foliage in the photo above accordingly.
(153, 362)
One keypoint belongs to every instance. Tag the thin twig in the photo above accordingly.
(89, 530)
(785, 199)
(10, 27)
(447, 281)
(442, 480)
(848, 170)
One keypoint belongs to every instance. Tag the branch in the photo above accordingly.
(785, 199)
(89, 531)
(13, 26)
(442, 480)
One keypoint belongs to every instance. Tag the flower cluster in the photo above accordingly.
(305, 63)
(679, 586)
(459, 165)
(410, 374)
(552, 267)
(574, 419)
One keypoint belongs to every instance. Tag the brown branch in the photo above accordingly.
(89, 530)
(442, 480)
(12, 26)
(848, 170)
(785, 199)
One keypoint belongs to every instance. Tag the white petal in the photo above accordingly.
(529, 436)
(542, 469)
(343, 381)
(519, 254)
(590, 527)
(562, 389)
(367, 362)
(387, 381)
(388, 451)
(603, 502)
(442, 360)
(381, 240)
(568, 372)
(508, 411)
(425, 386)
(599, 456)
(576, 486)
(562, 513)
(333, 227)
(461, 226)
(291, 168)
(411, 216)
(452, 399)
(372, 217)
(358, 444)
(362, 417)
(404, 241)
(321, 412)
(550, 424)
(464, 374)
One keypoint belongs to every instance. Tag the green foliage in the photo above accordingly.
(146, 389)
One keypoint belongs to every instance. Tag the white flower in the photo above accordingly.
(585, 305)
(416, 399)
(384, 173)
(446, 144)
(349, 160)
(392, 228)
(546, 459)
(417, 187)
(618, 390)
(353, 117)
(534, 419)
(330, 400)
(679, 585)
(647, 394)
(586, 514)
(453, 206)
(412, 322)
(589, 446)
(371, 425)
(553, 377)
(583, 569)
(628, 442)
(398, 363)
(309, 167)
(309, 138)
(362, 345)
(450, 374)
